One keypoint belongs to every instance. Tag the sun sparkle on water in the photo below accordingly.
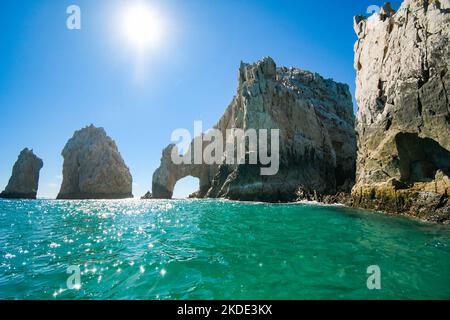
(182, 249)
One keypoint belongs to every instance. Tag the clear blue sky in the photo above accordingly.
(54, 81)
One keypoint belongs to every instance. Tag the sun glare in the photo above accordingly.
(142, 26)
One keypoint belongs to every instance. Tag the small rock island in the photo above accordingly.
(24, 180)
(93, 167)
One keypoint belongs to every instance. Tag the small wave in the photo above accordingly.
(317, 203)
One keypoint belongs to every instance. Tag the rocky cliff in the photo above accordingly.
(317, 140)
(93, 167)
(24, 180)
(403, 123)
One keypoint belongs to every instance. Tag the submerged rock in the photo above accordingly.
(24, 180)
(403, 125)
(93, 167)
(317, 139)
(147, 196)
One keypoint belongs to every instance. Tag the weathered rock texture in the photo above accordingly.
(93, 167)
(317, 138)
(24, 180)
(403, 124)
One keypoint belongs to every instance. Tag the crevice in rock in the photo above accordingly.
(426, 3)
(419, 104)
(382, 98)
(438, 6)
(425, 76)
(388, 123)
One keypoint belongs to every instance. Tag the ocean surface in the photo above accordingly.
(206, 249)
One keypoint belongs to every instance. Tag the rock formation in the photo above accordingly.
(93, 167)
(403, 124)
(317, 139)
(24, 180)
(147, 196)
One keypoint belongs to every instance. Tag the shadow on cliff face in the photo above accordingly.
(420, 158)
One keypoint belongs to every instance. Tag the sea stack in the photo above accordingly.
(93, 167)
(147, 196)
(403, 124)
(317, 139)
(24, 180)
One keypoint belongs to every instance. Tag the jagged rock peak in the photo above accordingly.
(24, 180)
(265, 68)
(360, 22)
(93, 167)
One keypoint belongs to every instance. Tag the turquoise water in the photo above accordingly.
(216, 250)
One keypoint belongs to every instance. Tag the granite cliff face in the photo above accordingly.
(403, 124)
(24, 180)
(93, 167)
(317, 139)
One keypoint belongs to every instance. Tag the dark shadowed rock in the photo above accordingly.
(93, 167)
(147, 196)
(24, 180)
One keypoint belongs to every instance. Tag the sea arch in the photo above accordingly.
(168, 174)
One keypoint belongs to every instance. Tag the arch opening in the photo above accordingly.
(186, 187)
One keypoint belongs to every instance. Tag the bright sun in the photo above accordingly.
(142, 26)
